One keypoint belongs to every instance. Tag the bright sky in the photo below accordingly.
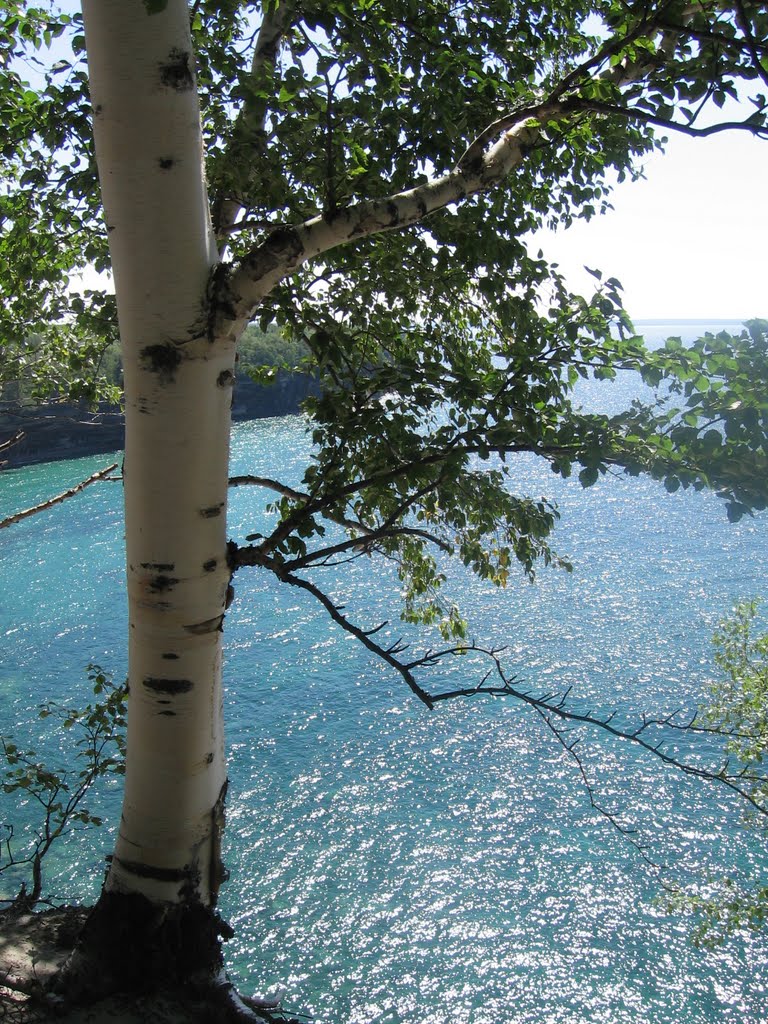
(690, 241)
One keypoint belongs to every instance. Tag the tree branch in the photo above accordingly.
(552, 708)
(311, 504)
(751, 42)
(387, 654)
(101, 475)
(287, 249)
(633, 113)
(556, 707)
(248, 128)
(570, 748)
(11, 441)
(482, 167)
(364, 545)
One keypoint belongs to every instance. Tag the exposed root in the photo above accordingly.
(129, 944)
(226, 1005)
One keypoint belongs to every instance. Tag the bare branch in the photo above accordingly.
(610, 816)
(558, 709)
(310, 504)
(551, 707)
(364, 545)
(389, 655)
(101, 475)
(18, 436)
(268, 482)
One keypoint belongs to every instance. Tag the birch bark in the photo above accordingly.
(178, 387)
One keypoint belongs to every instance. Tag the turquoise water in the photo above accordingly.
(395, 865)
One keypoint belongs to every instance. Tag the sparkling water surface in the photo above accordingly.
(391, 864)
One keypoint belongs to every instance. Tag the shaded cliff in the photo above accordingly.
(68, 431)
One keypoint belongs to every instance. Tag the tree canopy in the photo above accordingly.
(374, 170)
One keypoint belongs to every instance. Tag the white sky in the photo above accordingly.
(690, 241)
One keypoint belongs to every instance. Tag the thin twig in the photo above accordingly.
(27, 512)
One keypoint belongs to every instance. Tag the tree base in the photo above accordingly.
(132, 963)
(131, 945)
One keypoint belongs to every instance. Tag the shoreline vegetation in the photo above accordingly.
(34, 432)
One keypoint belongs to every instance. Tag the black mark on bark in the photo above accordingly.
(283, 248)
(171, 657)
(212, 511)
(218, 873)
(226, 379)
(232, 550)
(170, 686)
(176, 72)
(167, 714)
(163, 360)
(166, 163)
(135, 867)
(210, 565)
(161, 583)
(219, 300)
(158, 566)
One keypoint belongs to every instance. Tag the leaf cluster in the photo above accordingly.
(737, 709)
(99, 743)
(51, 334)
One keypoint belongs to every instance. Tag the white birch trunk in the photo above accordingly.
(178, 387)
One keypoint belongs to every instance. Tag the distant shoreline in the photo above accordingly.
(56, 431)
(699, 321)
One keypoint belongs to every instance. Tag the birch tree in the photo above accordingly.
(364, 175)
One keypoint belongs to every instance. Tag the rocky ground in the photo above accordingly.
(33, 946)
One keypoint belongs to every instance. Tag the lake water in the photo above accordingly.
(395, 865)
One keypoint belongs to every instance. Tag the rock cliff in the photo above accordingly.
(64, 431)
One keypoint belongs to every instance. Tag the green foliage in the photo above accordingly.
(739, 699)
(263, 354)
(51, 333)
(99, 744)
(445, 350)
(737, 708)
(423, 426)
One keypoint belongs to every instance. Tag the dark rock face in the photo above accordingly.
(253, 401)
(65, 431)
(58, 431)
